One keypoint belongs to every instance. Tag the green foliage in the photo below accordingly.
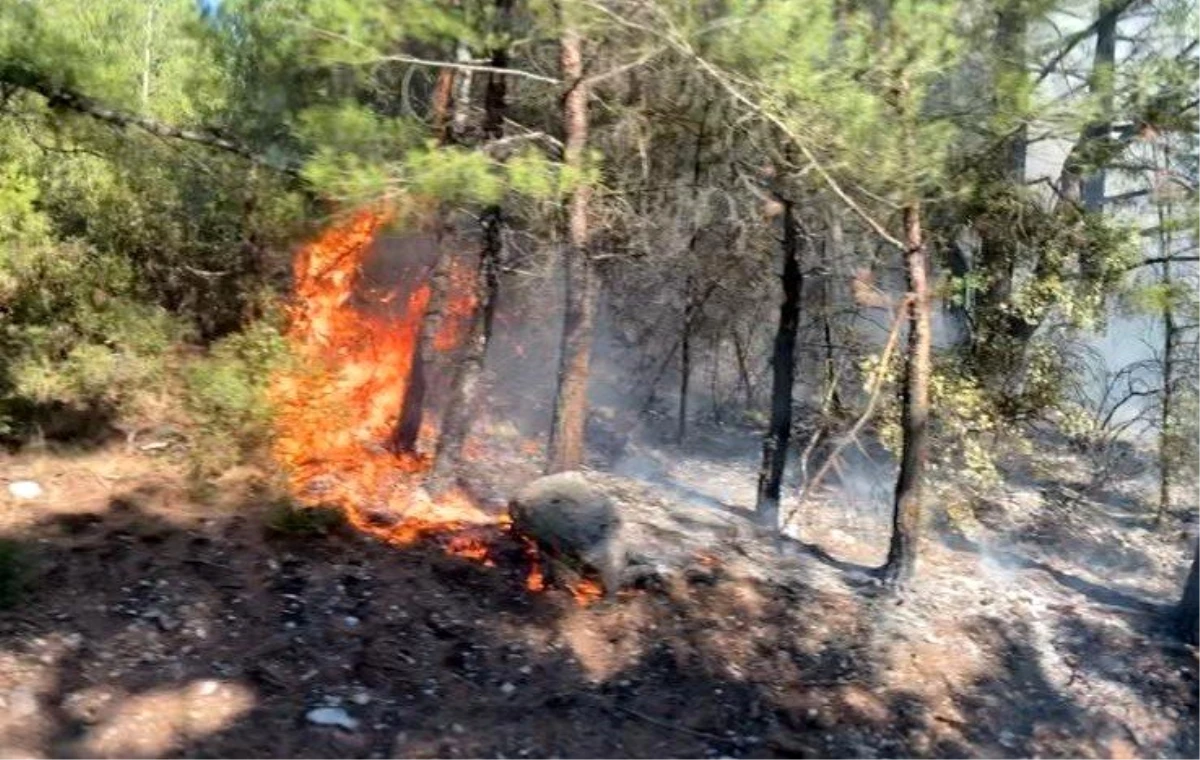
(75, 334)
(226, 396)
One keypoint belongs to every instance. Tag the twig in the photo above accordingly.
(669, 726)
(852, 434)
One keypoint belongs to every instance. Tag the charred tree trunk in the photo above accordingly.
(1187, 613)
(690, 308)
(685, 374)
(466, 383)
(906, 518)
(570, 399)
(779, 430)
(407, 431)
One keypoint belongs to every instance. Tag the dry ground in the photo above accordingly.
(159, 623)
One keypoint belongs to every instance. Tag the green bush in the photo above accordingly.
(225, 393)
(74, 335)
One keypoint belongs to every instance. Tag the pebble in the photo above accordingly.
(331, 716)
(25, 489)
(207, 688)
(360, 698)
(507, 688)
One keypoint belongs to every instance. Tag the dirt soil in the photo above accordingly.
(158, 623)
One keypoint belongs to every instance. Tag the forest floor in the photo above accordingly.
(157, 623)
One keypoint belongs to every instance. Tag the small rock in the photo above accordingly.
(351, 621)
(331, 716)
(458, 728)
(360, 698)
(207, 688)
(25, 489)
(507, 688)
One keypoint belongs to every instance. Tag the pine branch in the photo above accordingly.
(58, 96)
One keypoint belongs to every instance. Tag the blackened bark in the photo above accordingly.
(566, 450)
(685, 377)
(466, 382)
(914, 415)
(1187, 612)
(779, 430)
(691, 308)
(407, 431)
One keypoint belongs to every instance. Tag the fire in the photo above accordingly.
(336, 404)
(586, 591)
(353, 348)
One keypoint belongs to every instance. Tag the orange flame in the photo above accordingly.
(335, 406)
(353, 349)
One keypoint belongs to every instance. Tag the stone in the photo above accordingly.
(25, 489)
(331, 716)
(575, 525)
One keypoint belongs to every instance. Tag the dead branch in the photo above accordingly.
(851, 435)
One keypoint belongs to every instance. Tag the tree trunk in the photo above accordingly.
(685, 374)
(779, 430)
(906, 519)
(690, 307)
(407, 431)
(1102, 87)
(570, 401)
(1187, 613)
(466, 382)
(739, 352)
(1165, 437)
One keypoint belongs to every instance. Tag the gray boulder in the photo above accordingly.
(576, 526)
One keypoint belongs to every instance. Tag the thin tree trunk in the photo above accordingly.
(685, 376)
(466, 382)
(739, 351)
(566, 450)
(147, 56)
(779, 430)
(902, 553)
(690, 308)
(1168, 367)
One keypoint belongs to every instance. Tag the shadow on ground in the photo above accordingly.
(154, 627)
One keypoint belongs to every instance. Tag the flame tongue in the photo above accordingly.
(336, 404)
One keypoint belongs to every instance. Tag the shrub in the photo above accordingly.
(75, 336)
(226, 396)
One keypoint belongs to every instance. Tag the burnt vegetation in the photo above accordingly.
(599, 378)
